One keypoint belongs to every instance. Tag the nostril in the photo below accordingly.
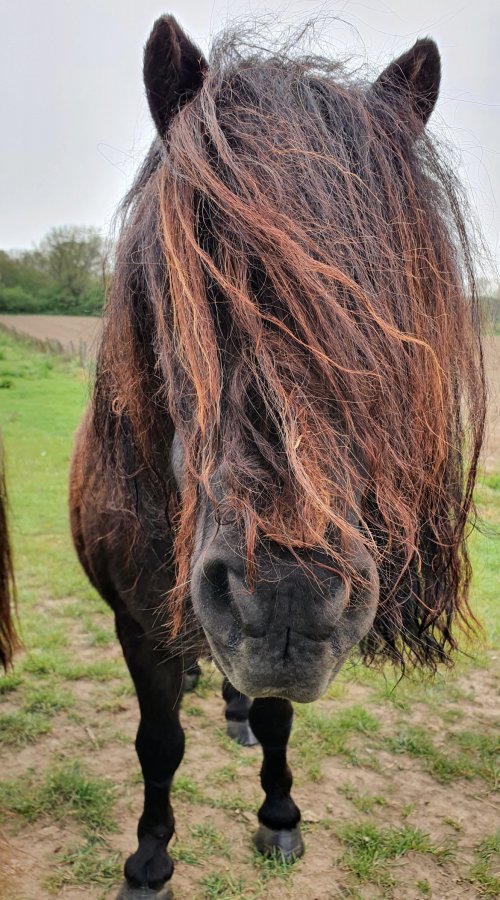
(216, 575)
(215, 585)
(223, 592)
(214, 604)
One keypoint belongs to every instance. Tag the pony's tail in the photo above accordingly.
(9, 640)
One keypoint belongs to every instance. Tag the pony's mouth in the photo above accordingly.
(281, 663)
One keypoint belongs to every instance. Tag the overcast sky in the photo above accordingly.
(75, 123)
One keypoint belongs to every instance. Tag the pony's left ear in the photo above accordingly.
(173, 71)
(413, 78)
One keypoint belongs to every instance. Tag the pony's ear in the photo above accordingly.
(173, 71)
(413, 78)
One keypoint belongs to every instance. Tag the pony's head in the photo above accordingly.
(292, 316)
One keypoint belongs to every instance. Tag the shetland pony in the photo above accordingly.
(278, 461)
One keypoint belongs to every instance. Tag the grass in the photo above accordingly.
(403, 694)
(39, 414)
(87, 863)
(21, 728)
(223, 886)
(481, 873)
(46, 662)
(369, 849)
(185, 853)
(190, 709)
(65, 791)
(485, 553)
(210, 840)
(99, 636)
(467, 755)
(205, 842)
(10, 682)
(47, 699)
(184, 788)
(484, 751)
(226, 774)
(363, 802)
(235, 803)
(317, 734)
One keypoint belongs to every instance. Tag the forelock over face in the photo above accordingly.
(285, 337)
(177, 461)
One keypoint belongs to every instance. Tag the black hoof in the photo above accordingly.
(150, 866)
(287, 843)
(241, 733)
(191, 678)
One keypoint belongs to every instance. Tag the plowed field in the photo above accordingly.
(74, 334)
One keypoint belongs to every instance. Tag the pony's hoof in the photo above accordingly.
(148, 867)
(191, 678)
(286, 843)
(241, 733)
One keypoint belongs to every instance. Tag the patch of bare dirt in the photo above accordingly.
(103, 741)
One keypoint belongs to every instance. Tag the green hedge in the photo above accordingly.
(63, 275)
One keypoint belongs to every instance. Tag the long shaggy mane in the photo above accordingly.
(294, 296)
(9, 640)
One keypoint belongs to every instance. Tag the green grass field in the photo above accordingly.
(398, 783)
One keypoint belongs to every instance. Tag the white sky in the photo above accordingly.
(75, 124)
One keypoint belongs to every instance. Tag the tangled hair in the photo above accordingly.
(294, 296)
(9, 641)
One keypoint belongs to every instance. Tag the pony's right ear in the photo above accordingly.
(413, 79)
(173, 71)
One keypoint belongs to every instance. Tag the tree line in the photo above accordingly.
(489, 296)
(64, 274)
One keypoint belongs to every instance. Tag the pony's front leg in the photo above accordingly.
(279, 817)
(160, 748)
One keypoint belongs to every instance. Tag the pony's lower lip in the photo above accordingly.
(259, 669)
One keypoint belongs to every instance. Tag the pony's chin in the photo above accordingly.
(257, 673)
(295, 692)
